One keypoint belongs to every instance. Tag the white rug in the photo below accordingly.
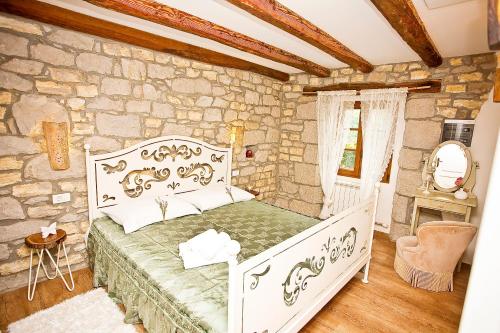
(92, 312)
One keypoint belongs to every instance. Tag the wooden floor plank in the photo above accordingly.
(385, 304)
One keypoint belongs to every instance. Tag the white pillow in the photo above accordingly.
(140, 213)
(215, 196)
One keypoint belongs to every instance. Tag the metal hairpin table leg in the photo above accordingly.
(32, 287)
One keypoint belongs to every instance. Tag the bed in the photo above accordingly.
(289, 267)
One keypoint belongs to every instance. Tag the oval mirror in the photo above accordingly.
(451, 159)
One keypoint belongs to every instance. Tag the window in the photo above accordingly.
(350, 166)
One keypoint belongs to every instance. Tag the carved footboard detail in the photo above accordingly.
(307, 271)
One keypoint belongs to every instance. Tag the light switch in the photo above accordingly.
(60, 198)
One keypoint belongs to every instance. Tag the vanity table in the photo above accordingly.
(449, 161)
(441, 201)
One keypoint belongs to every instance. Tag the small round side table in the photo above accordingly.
(42, 245)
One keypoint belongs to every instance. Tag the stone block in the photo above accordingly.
(212, 115)
(163, 110)
(112, 86)
(39, 167)
(288, 187)
(408, 181)
(10, 209)
(13, 45)
(311, 154)
(310, 133)
(14, 145)
(13, 81)
(410, 159)
(272, 135)
(306, 111)
(73, 185)
(52, 55)
(455, 88)
(311, 194)
(10, 163)
(83, 129)
(31, 110)
(305, 208)
(306, 173)
(21, 66)
(20, 26)
(32, 189)
(422, 134)
(138, 106)
(90, 62)
(176, 129)
(65, 75)
(254, 137)
(100, 143)
(76, 103)
(87, 91)
(115, 49)
(400, 208)
(123, 126)
(204, 101)
(4, 248)
(419, 75)
(420, 108)
(105, 103)
(133, 69)
(156, 71)
(142, 54)
(9, 178)
(44, 211)
(192, 86)
(5, 98)
(73, 39)
(252, 97)
(53, 88)
(17, 266)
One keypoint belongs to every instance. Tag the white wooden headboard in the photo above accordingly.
(159, 166)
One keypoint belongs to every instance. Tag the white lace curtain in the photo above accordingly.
(333, 130)
(379, 113)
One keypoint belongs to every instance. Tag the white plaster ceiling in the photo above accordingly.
(456, 29)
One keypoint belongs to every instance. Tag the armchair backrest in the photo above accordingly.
(442, 243)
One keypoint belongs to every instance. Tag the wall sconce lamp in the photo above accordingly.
(249, 153)
(236, 137)
(56, 137)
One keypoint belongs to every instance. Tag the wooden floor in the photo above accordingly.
(385, 304)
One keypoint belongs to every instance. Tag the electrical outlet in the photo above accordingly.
(60, 198)
(235, 173)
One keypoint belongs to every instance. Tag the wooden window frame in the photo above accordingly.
(356, 172)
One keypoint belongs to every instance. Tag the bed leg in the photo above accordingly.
(365, 272)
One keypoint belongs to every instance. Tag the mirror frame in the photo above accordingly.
(467, 171)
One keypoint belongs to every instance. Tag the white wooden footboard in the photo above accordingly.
(281, 289)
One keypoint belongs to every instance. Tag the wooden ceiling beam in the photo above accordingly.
(423, 86)
(282, 17)
(61, 17)
(404, 18)
(176, 19)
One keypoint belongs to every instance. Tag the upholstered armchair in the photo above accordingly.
(428, 259)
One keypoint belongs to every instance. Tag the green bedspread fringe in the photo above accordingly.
(125, 285)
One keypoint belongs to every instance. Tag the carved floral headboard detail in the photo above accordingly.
(159, 166)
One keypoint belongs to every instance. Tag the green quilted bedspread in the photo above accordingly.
(144, 271)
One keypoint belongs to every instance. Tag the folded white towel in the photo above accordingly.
(208, 248)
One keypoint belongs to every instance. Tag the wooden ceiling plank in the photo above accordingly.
(176, 19)
(404, 18)
(422, 86)
(58, 16)
(282, 17)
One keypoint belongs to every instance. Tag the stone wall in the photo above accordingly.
(466, 84)
(112, 95)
